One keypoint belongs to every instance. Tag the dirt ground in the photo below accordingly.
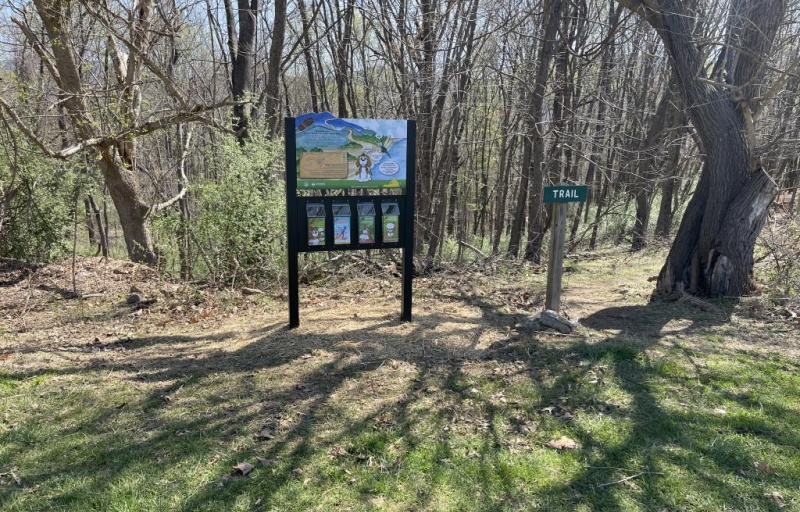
(48, 316)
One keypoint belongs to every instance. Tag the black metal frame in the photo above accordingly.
(296, 222)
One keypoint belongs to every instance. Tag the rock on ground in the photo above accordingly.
(547, 321)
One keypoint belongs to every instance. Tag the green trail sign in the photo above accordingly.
(565, 194)
(559, 196)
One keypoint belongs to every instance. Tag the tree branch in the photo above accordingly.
(638, 7)
(40, 51)
(192, 115)
(137, 53)
(776, 87)
(627, 478)
(119, 59)
(714, 83)
(166, 204)
(64, 153)
(184, 180)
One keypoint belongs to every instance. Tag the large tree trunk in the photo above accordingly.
(133, 211)
(712, 252)
(743, 222)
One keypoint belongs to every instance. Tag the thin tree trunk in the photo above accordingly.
(101, 226)
(528, 207)
(598, 214)
(94, 239)
(537, 217)
(271, 91)
(600, 132)
(664, 221)
(241, 46)
(309, 61)
(342, 71)
(425, 118)
(450, 164)
(507, 145)
(661, 125)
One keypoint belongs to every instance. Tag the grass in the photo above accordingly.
(670, 408)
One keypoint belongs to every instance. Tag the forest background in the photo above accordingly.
(151, 129)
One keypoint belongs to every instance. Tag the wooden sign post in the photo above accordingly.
(559, 196)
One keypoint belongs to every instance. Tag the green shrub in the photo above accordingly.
(238, 224)
(36, 205)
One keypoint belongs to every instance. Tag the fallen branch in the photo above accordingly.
(91, 295)
(468, 246)
(378, 266)
(627, 478)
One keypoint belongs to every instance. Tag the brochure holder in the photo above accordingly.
(366, 223)
(390, 222)
(315, 224)
(341, 224)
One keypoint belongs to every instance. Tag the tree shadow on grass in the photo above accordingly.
(653, 320)
(667, 443)
(420, 425)
(181, 365)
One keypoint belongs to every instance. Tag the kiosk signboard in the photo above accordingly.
(373, 158)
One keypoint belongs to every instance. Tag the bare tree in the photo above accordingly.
(713, 250)
(108, 124)
(536, 166)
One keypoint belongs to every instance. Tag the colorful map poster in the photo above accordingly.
(335, 153)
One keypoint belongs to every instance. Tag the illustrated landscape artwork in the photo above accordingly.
(335, 153)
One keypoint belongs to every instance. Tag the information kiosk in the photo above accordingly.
(373, 157)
